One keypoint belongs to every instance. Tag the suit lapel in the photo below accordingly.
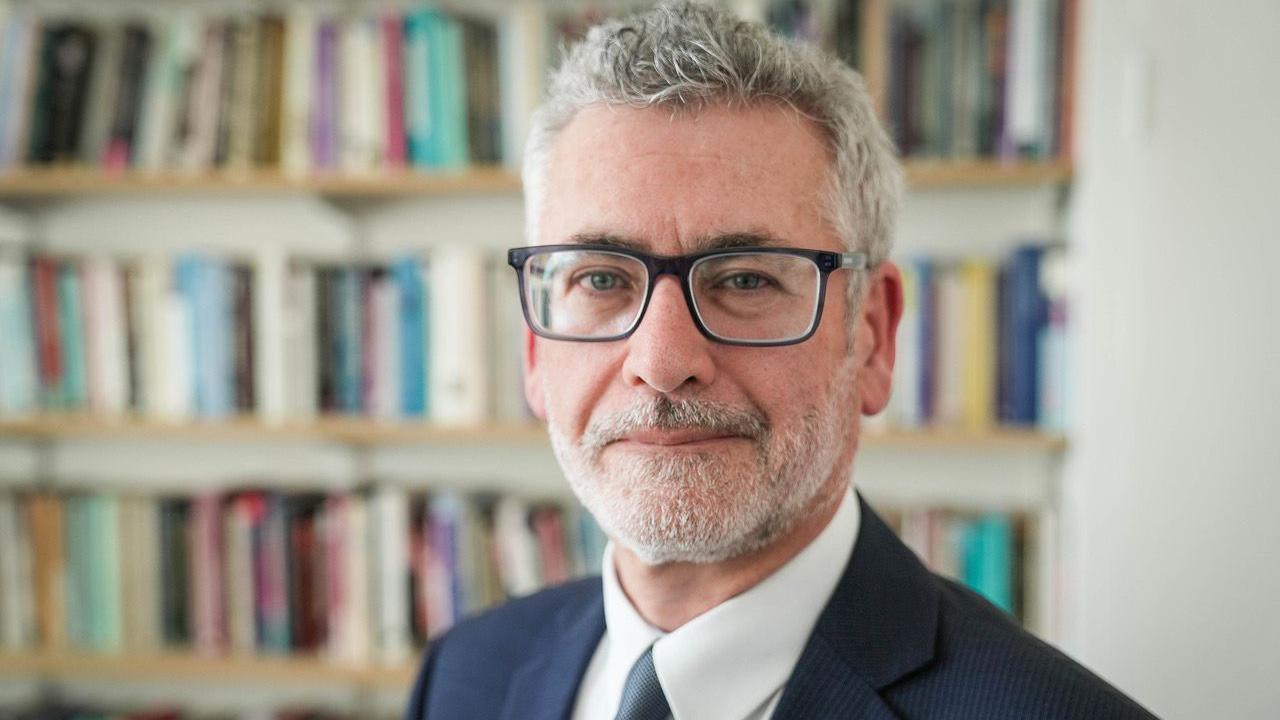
(879, 625)
(544, 688)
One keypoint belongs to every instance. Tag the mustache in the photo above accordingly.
(661, 413)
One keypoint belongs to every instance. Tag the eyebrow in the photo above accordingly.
(751, 238)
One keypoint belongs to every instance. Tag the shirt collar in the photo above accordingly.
(730, 660)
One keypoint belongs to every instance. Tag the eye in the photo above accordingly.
(602, 280)
(745, 281)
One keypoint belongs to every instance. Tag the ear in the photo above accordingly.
(533, 375)
(876, 337)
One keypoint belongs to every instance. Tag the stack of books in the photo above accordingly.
(419, 337)
(988, 552)
(355, 577)
(302, 91)
(981, 78)
(983, 344)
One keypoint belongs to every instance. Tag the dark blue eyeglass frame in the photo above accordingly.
(681, 266)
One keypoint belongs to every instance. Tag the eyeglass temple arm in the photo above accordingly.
(854, 260)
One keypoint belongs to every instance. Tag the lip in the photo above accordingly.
(674, 438)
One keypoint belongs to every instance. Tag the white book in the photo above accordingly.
(299, 69)
(106, 337)
(904, 403)
(1028, 71)
(517, 547)
(459, 360)
(354, 621)
(522, 39)
(18, 86)
(358, 126)
(300, 345)
(176, 377)
(377, 92)
(385, 385)
(164, 343)
(270, 384)
(18, 380)
(391, 553)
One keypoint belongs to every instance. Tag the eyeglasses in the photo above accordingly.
(762, 296)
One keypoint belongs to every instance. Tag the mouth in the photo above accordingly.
(674, 439)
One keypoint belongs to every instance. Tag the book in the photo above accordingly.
(18, 377)
(299, 84)
(72, 393)
(459, 374)
(1022, 314)
(408, 275)
(127, 104)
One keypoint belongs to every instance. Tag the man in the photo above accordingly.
(710, 311)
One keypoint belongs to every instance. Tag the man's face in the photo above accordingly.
(684, 449)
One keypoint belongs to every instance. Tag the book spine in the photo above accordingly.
(271, 336)
(407, 273)
(135, 57)
(74, 391)
(299, 85)
(393, 45)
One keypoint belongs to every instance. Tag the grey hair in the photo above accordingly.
(687, 55)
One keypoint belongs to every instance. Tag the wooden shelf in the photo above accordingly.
(50, 183)
(173, 666)
(43, 183)
(985, 173)
(349, 431)
(365, 432)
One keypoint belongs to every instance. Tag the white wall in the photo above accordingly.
(1173, 490)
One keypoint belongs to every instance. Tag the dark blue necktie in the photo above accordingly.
(642, 696)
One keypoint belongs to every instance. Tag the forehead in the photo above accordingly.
(669, 183)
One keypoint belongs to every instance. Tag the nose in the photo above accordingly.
(667, 352)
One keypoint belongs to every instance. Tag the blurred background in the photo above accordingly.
(262, 431)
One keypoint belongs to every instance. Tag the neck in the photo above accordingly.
(671, 594)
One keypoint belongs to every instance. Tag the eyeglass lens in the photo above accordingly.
(752, 297)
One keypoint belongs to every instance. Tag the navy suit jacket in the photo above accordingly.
(894, 641)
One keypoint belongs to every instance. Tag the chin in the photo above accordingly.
(687, 514)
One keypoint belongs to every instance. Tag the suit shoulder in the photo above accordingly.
(466, 670)
(1005, 671)
(524, 617)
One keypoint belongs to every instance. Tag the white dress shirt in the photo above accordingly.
(731, 662)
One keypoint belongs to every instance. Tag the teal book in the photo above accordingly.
(18, 379)
(457, 143)
(75, 531)
(105, 629)
(417, 98)
(988, 566)
(74, 391)
(407, 274)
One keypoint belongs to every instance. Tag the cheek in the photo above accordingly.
(575, 378)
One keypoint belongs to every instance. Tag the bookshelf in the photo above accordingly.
(36, 184)
(186, 667)
(375, 433)
(1001, 468)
